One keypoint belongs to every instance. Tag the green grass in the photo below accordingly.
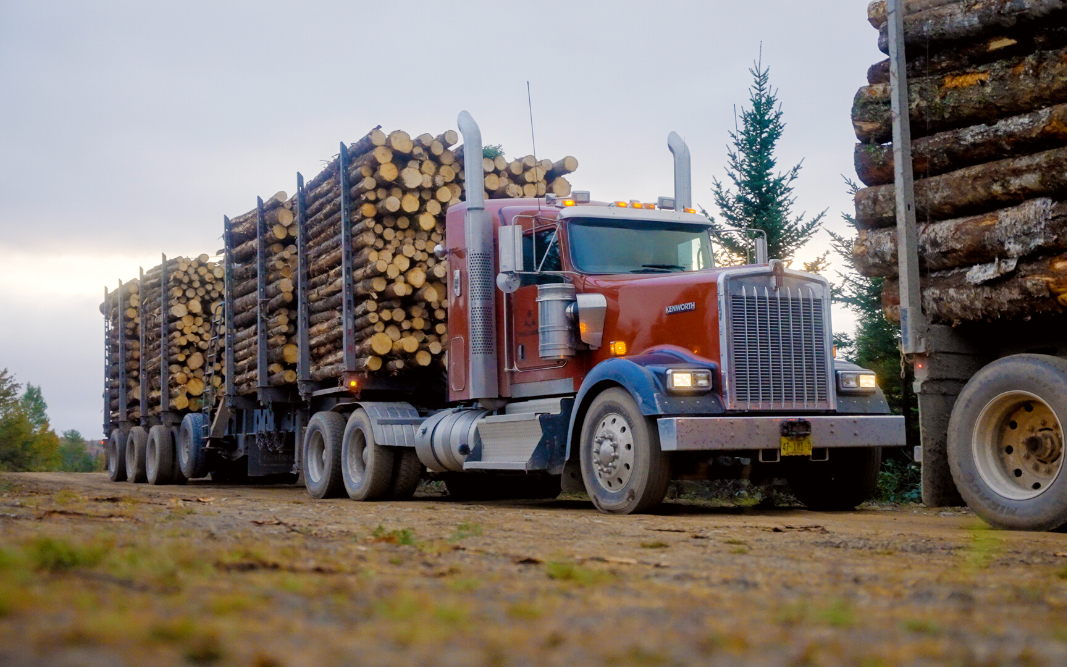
(840, 614)
(572, 572)
(465, 530)
(53, 555)
(404, 536)
(921, 627)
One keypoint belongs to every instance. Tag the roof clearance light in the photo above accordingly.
(635, 204)
(621, 204)
(568, 202)
(690, 210)
(651, 207)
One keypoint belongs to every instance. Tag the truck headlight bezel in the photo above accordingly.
(689, 380)
(856, 382)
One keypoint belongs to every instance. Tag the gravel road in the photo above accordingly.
(93, 572)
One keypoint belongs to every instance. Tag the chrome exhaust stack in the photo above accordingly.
(683, 174)
(481, 269)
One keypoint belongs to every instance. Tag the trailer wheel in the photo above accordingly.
(1005, 443)
(176, 476)
(191, 455)
(322, 455)
(623, 468)
(843, 482)
(116, 456)
(159, 455)
(367, 466)
(407, 471)
(135, 455)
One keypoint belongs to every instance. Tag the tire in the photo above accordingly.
(1005, 443)
(636, 477)
(843, 482)
(159, 455)
(192, 458)
(407, 472)
(177, 476)
(135, 455)
(367, 467)
(116, 456)
(323, 440)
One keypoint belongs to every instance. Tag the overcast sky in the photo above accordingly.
(128, 129)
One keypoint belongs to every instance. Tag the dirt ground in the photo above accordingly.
(95, 573)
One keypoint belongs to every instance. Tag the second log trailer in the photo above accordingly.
(590, 346)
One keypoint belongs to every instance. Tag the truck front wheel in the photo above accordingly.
(623, 468)
(842, 482)
(1005, 443)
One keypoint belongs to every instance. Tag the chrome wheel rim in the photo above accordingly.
(316, 457)
(613, 452)
(1018, 445)
(358, 453)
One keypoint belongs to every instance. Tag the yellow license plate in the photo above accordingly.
(800, 446)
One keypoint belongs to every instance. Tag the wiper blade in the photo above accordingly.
(664, 267)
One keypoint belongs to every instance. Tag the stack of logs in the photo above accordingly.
(194, 291)
(129, 336)
(987, 84)
(399, 191)
(281, 262)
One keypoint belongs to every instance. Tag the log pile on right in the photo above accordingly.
(987, 84)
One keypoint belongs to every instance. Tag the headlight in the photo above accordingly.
(685, 380)
(856, 381)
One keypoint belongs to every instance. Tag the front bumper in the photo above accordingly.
(687, 434)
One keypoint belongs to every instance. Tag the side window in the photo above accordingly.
(546, 257)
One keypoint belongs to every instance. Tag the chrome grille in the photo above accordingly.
(778, 350)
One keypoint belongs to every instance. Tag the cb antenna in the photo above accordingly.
(533, 139)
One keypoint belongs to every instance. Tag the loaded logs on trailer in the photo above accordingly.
(121, 310)
(193, 288)
(399, 188)
(988, 106)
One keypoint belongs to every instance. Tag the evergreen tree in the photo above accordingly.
(26, 442)
(876, 342)
(760, 199)
(34, 404)
(74, 451)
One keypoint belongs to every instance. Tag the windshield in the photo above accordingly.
(638, 246)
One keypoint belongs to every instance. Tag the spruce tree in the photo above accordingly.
(760, 198)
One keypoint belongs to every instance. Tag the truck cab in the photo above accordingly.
(598, 342)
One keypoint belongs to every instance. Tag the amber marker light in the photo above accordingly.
(568, 202)
(690, 210)
(617, 348)
(621, 204)
(650, 207)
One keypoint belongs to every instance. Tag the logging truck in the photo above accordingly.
(591, 346)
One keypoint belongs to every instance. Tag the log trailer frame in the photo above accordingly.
(992, 397)
(640, 375)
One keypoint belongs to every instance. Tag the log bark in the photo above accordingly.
(1039, 224)
(950, 22)
(948, 151)
(1035, 286)
(983, 95)
(970, 191)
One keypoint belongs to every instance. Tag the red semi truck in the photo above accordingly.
(591, 346)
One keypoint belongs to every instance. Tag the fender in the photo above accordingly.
(393, 423)
(644, 376)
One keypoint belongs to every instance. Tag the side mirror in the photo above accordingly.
(509, 252)
(590, 311)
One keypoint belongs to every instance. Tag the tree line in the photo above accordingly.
(27, 441)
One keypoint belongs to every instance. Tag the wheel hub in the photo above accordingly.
(1018, 445)
(613, 452)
